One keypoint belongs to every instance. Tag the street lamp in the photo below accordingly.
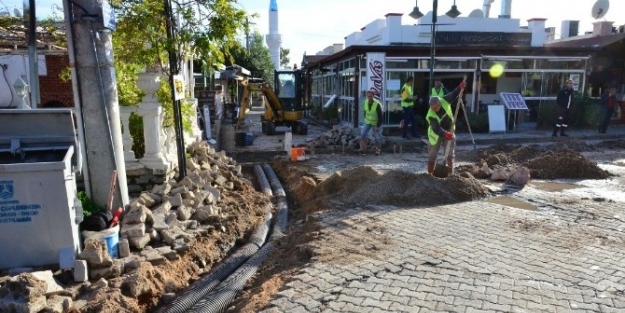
(416, 14)
(21, 89)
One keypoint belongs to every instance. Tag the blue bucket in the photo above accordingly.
(109, 236)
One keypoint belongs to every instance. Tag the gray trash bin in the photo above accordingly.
(39, 212)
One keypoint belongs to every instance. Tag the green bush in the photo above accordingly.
(478, 122)
(585, 113)
(88, 206)
(136, 132)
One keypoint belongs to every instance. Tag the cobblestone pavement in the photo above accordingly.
(566, 256)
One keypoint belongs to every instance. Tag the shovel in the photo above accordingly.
(442, 170)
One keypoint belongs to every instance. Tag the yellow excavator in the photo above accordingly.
(283, 105)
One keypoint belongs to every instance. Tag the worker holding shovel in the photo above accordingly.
(441, 128)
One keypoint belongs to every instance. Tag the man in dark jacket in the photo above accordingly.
(441, 128)
(608, 99)
(564, 101)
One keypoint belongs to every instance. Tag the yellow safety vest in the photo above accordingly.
(371, 113)
(409, 99)
(432, 135)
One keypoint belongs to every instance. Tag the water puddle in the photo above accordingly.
(512, 202)
(553, 187)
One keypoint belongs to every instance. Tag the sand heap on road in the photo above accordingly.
(561, 160)
(364, 185)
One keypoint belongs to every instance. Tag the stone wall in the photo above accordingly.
(141, 178)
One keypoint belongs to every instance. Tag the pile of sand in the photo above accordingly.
(364, 185)
(565, 164)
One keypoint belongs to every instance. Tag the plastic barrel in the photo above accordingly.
(249, 139)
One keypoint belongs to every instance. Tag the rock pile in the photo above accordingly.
(341, 136)
(166, 221)
(32, 293)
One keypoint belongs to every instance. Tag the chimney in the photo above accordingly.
(393, 27)
(486, 7)
(506, 7)
(537, 27)
(337, 47)
(569, 29)
(602, 28)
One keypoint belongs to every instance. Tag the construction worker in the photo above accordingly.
(564, 101)
(439, 91)
(441, 128)
(407, 103)
(373, 119)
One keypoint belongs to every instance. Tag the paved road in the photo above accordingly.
(567, 256)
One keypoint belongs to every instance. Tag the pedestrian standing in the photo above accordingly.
(439, 91)
(441, 128)
(564, 101)
(407, 103)
(373, 120)
(608, 99)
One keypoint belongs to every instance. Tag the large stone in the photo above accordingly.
(206, 212)
(52, 285)
(137, 214)
(34, 305)
(170, 235)
(214, 196)
(95, 253)
(520, 177)
(179, 190)
(149, 200)
(184, 213)
(168, 253)
(97, 273)
(133, 230)
(220, 180)
(124, 247)
(80, 271)
(159, 222)
(186, 182)
(139, 242)
(153, 256)
(163, 208)
(176, 200)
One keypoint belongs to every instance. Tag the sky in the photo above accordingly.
(310, 26)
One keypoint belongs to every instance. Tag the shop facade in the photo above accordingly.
(338, 83)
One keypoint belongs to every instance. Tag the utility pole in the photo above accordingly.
(98, 105)
(30, 19)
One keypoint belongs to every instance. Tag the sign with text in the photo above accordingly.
(484, 39)
(376, 75)
(513, 101)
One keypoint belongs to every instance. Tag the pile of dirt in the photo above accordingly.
(612, 144)
(566, 164)
(364, 185)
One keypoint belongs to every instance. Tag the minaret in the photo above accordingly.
(274, 39)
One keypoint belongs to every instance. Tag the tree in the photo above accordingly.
(284, 58)
(205, 29)
(258, 60)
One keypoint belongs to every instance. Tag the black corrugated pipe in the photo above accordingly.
(262, 180)
(282, 214)
(201, 287)
(220, 298)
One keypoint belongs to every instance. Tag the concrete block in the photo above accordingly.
(163, 208)
(133, 230)
(47, 277)
(124, 248)
(184, 213)
(80, 271)
(140, 242)
(176, 199)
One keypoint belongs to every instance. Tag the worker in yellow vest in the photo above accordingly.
(407, 104)
(373, 120)
(441, 128)
(439, 91)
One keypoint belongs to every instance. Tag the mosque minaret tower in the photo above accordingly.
(274, 39)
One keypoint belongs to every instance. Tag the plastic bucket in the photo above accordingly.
(297, 154)
(109, 236)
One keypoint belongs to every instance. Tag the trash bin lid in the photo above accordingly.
(38, 130)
